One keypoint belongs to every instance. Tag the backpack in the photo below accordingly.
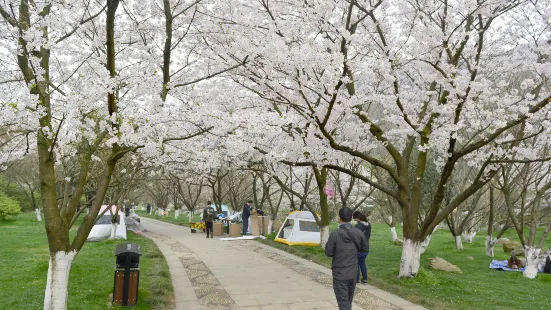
(210, 215)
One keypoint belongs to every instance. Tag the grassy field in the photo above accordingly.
(24, 265)
(183, 220)
(477, 288)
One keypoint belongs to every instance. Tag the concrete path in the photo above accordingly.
(212, 274)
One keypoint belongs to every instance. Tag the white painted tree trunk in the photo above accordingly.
(113, 230)
(394, 234)
(190, 216)
(57, 283)
(176, 213)
(270, 226)
(532, 262)
(490, 243)
(425, 244)
(458, 243)
(411, 259)
(469, 237)
(38, 217)
(324, 235)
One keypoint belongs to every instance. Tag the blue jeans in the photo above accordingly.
(361, 265)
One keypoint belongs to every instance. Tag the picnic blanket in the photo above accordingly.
(502, 265)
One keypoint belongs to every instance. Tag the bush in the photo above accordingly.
(8, 206)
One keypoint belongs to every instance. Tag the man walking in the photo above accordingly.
(343, 246)
(245, 216)
(208, 217)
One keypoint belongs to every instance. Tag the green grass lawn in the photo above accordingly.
(182, 220)
(477, 288)
(24, 266)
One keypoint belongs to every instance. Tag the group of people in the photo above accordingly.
(349, 247)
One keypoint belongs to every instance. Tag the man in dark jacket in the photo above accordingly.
(208, 217)
(343, 246)
(245, 216)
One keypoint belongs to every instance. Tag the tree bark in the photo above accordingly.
(57, 283)
(532, 262)
(324, 235)
(458, 243)
(411, 258)
(113, 231)
(394, 234)
(425, 244)
(490, 243)
(469, 236)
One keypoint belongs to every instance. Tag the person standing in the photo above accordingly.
(343, 246)
(365, 227)
(245, 216)
(208, 217)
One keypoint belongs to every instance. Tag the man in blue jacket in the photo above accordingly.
(343, 246)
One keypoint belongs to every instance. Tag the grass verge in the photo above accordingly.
(24, 266)
(477, 288)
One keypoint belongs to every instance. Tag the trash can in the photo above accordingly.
(217, 229)
(127, 274)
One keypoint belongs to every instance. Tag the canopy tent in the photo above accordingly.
(102, 228)
(299, 228)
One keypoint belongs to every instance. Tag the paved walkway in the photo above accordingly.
(212, 274)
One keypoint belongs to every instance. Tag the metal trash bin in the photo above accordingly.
(127, 274)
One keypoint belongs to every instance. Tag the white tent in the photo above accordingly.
(299, 228)
(102, 228)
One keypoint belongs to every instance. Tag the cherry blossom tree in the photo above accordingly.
(82, 78)
(424, 82)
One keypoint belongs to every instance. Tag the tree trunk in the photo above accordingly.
(532, 262)
(113, 231)
(324, 235)
(176, 213)
(394, 234)
(458, 243)
(411, 258)
(57, 283)
(490, 243)
(321, 179)
(425, 244)
(469, 236)
(270, 226)
(38, 216)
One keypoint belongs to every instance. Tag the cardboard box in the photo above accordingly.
(265, 225)
(217, 229)
(255, 225)
(235, 230)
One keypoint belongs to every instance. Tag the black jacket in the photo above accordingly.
(344, 252)
(246, 212)
(366, 229)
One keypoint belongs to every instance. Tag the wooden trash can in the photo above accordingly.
(217, 229)
(255, 225)
(235, 230)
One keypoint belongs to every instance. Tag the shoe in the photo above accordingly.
(207, 236)
(211, 236)
(364, 281)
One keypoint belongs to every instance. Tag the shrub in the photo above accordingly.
(8, 206)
